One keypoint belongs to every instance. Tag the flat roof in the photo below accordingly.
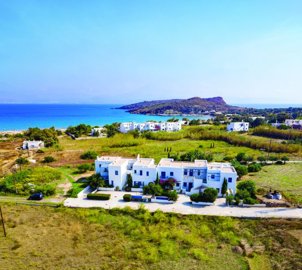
(144, 162)
(166, 162)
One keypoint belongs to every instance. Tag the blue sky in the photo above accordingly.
(127, 51)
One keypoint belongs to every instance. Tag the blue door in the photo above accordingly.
(163, 175)
(190, 186)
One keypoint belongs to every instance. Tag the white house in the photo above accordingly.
(294, 123)
(97, 131)
(238, 126)
(190, 177)
(150, 126)
(32, 145)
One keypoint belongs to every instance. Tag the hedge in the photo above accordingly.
(127, 197)
(98, 196)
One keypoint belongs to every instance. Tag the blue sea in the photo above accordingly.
(23, 116)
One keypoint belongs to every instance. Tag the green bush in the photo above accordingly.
(127, 197)
(48, 135)
(83, 168)
(48, 159)
(249, 200)
(79, 130)
(255, 167)
(153, 189)
(98, 196)
(208, 195)
(195, 197)
(31, 180)
(89, 155)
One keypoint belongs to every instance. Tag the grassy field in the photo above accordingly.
(49, 238)
(126, 145)
(285, 178)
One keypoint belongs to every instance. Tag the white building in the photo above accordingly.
(190, 177)
(238, 126)
(295, 123)
(150, 126)
(32, 145)
(98, 130)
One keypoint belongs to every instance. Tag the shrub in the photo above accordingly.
(208, 195)
(89, 155)
(279, 162)
(127, 197)
(171, 194)
(117, 188)
(95, 181)
(249, 200)
(255, 167)
(79, 130)
(153, 189)
(83, 168)
(98, 196)
(48, 159)
(249, 186)
(195, 197)
(48, 135)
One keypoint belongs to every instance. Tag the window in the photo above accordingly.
(112, 183)
(163, 174)
(171, 173)
(185, 172)
(213, 176)
(230, 179)
(147, 173)
(116, 172)
(198, 172)
(204, 181)
(177, 184)
(140, 172)
(191, 172)
(185, 184)
(134, 171)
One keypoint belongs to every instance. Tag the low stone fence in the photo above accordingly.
(137, 189)
(203, 203)
(84, 192)
(105, 189)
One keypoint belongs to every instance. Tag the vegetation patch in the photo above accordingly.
(25, 182)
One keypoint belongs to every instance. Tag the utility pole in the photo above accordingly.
(2, 219)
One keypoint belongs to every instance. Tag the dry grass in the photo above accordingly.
(49, 238)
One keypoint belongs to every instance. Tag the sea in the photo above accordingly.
(15, 117)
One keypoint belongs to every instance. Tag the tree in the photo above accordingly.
(95, 181)
(21, 161)
(240, 156)
(157, 179)
(224, 187)
(129, 180)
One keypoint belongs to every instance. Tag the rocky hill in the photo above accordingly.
(195, 105)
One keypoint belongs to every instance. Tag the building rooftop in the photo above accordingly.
(144, 162)
(168, 162)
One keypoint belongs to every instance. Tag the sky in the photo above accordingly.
(124, 51)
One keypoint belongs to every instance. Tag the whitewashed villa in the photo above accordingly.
(238, 126)
(32, 145)
(150, 126)
(190, 177)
